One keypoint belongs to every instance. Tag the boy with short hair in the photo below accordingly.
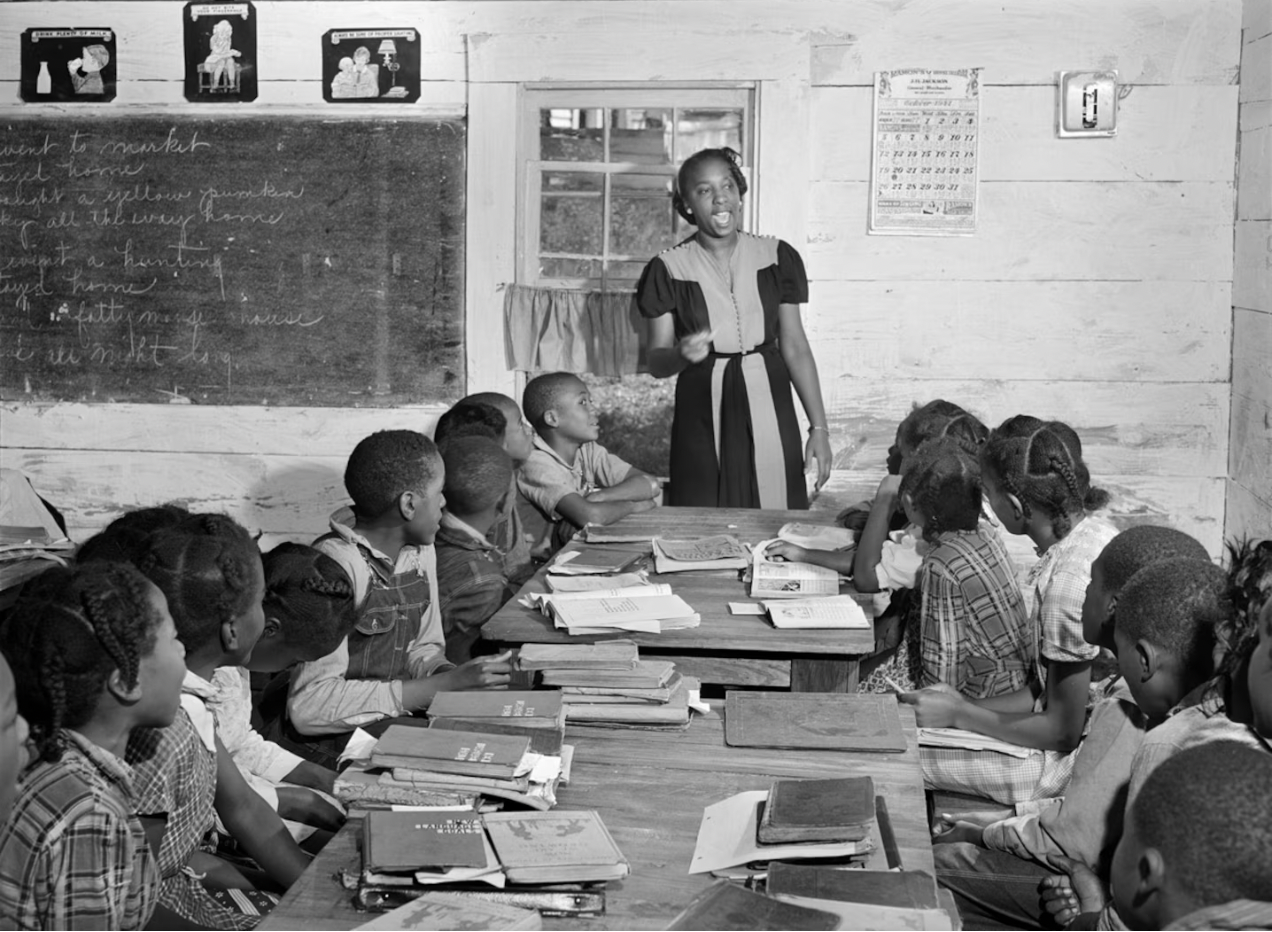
(994, 872)
(394, 661)
(570, 478)
(1197, 851)
(471, 581)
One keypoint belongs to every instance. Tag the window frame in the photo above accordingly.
(534, 98)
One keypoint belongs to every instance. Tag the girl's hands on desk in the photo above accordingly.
(783, 550)
(485, 672)
(936, 706)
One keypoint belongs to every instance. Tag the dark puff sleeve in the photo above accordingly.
(655, 293)
(792, 281)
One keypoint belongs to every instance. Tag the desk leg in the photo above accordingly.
(823, 676)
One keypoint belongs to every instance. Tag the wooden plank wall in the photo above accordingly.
(1249, 510)
(1099, 288)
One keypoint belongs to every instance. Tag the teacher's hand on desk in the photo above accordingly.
(936, 706)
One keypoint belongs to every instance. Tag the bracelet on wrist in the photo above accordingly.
(813, 427)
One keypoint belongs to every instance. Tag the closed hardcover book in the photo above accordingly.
(818, 810)
(603, 655)
(462, 752)
(532, 708)
(600, 693)
(673, 712)
(545, 741)
(727, 906)
(839, 721)
(901, 889)
(410, 841)
(647, 674)
(439, 911)
(555, 847)
(595, 560)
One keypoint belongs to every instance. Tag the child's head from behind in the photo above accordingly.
(13, 739)
(940, 488)
(209, 569)
(938, 419)
(124, 539)
(478, 475)
(83, 638)
(1034, 468)
(309, 608)
(470, 419)
(395, 477)
(518, 438)
(1197, 835)
(1248, 638)
(559, 403)
(1165, 628)
(1123, 557)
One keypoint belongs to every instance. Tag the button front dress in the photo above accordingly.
(735, 440)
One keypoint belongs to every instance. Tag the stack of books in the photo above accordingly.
(553, 862)
(644, 608)
(609, 683)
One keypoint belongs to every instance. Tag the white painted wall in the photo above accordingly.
(1099, 289)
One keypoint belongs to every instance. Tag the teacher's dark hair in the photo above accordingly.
(729, 156)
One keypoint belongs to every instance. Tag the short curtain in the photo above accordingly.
(554, 329)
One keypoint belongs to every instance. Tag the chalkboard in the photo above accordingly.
(247, 260)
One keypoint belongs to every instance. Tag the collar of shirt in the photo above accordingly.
(111, 766)
(462, 534)
(409, 558)
(576, 466)
(195, 693)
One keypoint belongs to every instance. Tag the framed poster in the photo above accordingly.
(925, 172)
(68, 65)
(220, 52)
(371, 66)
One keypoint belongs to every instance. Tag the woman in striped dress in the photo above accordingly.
(725, 313)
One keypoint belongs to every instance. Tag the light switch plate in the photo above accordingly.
(1087, 104)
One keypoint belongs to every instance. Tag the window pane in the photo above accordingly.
(569, 268)
(642, 136)
(625, 271)
(641, 218)
(572, 135)
(570, 213)
(707, 129)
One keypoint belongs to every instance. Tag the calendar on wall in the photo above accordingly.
(925, 175)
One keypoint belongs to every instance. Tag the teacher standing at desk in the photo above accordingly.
(725, 311)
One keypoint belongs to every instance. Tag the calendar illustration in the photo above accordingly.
(925, 175)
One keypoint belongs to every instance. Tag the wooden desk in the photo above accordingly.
(733, 650)
(650, 789)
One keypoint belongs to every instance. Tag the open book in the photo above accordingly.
(772, 579)
(834, 611)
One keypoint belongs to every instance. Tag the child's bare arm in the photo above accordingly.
(637, 486)
(839, 560)
(309, 774)
(254, 824)
(869, 549)
(578, 510)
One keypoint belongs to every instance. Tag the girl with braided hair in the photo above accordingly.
(309, 610)
(1039, 487)
(210, 571)
(96, 659)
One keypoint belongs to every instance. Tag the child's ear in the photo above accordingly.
(1147, 659)
(1150, 876)
(1111, 611)
(229, 637)
(550, 418)
(406, 505)
(121, 691)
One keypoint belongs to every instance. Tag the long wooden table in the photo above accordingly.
(733, 650)
(650, 789)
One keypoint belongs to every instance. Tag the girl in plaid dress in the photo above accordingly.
(95, 655)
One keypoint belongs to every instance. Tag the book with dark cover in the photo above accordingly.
(841, 721)
(726, 906)
(546, 741)
(902, 889)
(818, 810)
(444, 751)
(597, 560)
(539, 708)
(410, 841)
(555, 847)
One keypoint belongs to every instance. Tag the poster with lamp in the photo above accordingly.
(371, 66)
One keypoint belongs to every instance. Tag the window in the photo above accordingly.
(596, 203)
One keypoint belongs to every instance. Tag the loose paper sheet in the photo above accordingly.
(925, 142)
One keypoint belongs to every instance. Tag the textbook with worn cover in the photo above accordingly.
(555, 847)
(603, 655)
(839, 809)
(842, 721)
(410, 841)
(727, 906)
(593, 561)
(439, 911)
(901, 889)
(540, 708)
(442, 751)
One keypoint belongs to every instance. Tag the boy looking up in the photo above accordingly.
(471, 581)
(994, 871)
(569, 477)
(394, 661)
